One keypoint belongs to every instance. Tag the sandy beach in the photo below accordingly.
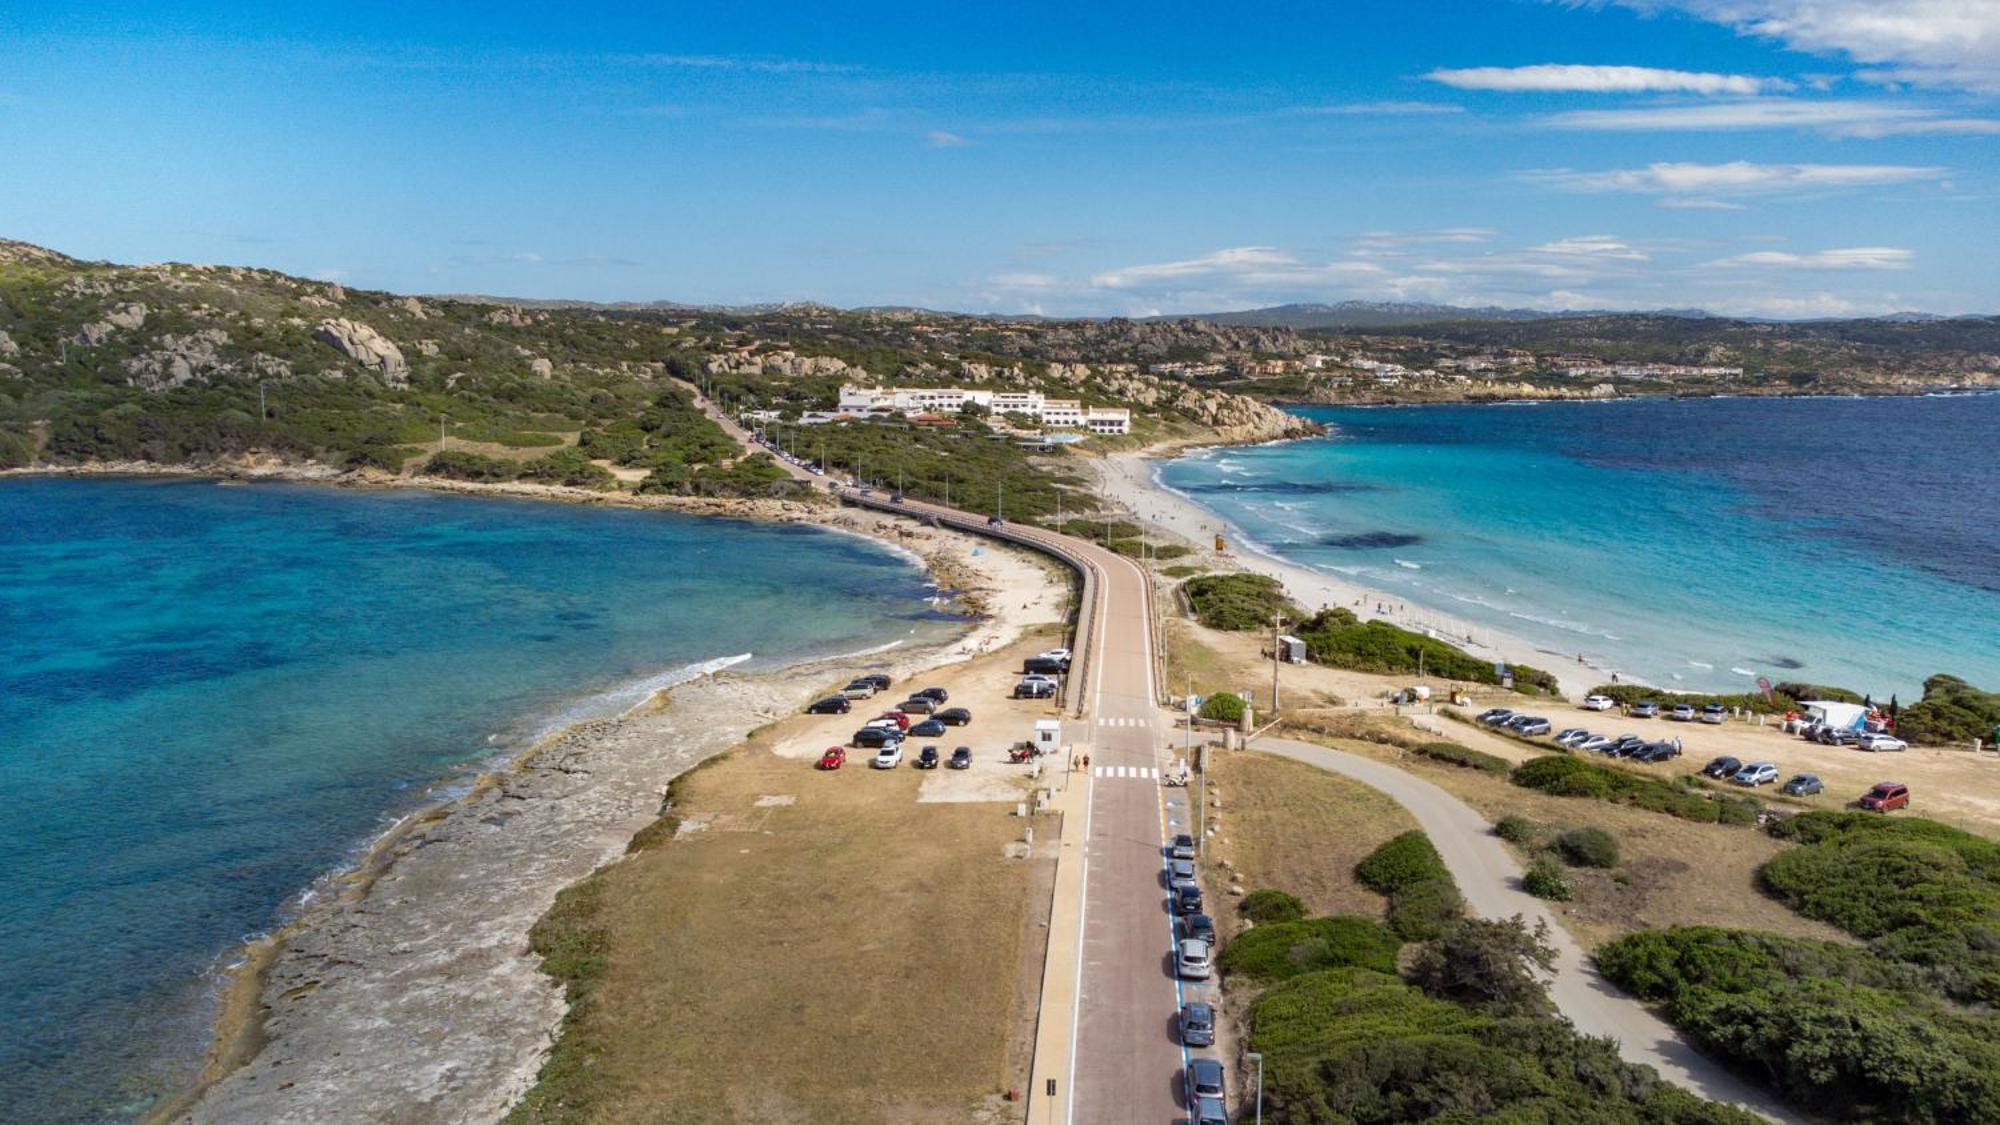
(1127, 480)
(406, 991)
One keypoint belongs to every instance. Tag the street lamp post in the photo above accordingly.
(442, 419)
(1259, 1060)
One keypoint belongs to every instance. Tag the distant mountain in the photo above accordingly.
(1391, 314)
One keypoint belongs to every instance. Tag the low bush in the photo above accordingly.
(1515, 829)
(1464, 756)
(1400, 862)
(1237, 602)
(1754, 702)
(1545, 879)
(1491, 965)
(1422, 911)
(570, 467)
(1837, 1030)
(1224, 706)
(455, 464)
(1349, 1045)
(1267, 906)
(1338, 638)
(1563, 776)
(1286, 949)
(1180, 570)
(1951, 711)
(1918, 890)
(1588, 847)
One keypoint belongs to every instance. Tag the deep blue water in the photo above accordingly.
(1693, 543)
(211, 695)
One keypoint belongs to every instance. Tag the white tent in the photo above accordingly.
(1840, 716)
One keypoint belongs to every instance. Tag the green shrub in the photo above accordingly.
(1951, 711)
(1920, 891)
(1224, 706)
(1424, 910)
(1463, 756)
(1588, 847)
(1237, 602)
(570, 467)
(1401, 862)
(1286, 949)
(1336, 637)
(1837, 1030)
(456, 464)
(1515, 829)
(1266, 906)
(1545, 879)
(1565, 776)
(1490, 965)
(1180, 570)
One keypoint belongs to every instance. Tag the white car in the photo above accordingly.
(1599, 703)
(1054, 654)
(889, 757)
(1881, 742)
(1193, 960)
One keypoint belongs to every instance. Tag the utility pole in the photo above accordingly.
(1277, 658)
(263, 411)
(442, 418)
(1259, 1059)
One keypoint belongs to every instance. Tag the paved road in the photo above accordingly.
(1490, 881)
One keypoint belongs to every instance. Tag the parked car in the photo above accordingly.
(994, 521)
(1646, 710)
(1722, 767)
(1802, 785)
(1874, 742)
(927, 758)
(1180, 873)
(1515, 721)
(1204, 1079)
(961, 758)
(1197, 926)
(885, 723)
(1187, 898)
(859, 689)
(1714, 713)
(889, 757)
(1656, 752)
(954, 717)
(1044, 666)
(1495, 716)
(1570, 736)
(1594, 743)
(880, 681)
(1682, 713)
(1887, 796)
(1193, 960)
(1183, 846)
(1057, 654)
(872, 738)
(918, 705)
(1034, 689)
(1598, 703)
(901, 720)
(1755, 774)
(929, 728)
(834, 758)
(1533, 727)
(1197, 1024)
(831, 705)
(934, 694)
(1208, 1111)
(1625, 745)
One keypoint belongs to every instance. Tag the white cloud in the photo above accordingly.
(939, 138)
(1679, 203)
(1247, 266)
(1360, 109)
(1695, 182)
(1839, 117)
(1853, 258)
(1569, 78)
(1377, 242)
(1924, 42)
(1601, 246)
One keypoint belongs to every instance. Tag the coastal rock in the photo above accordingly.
(414, 307)
(84, 285)
(178, 360)
(7, 345)
(428, 347)
(542, 367)
(367, 347)
(92, 334)
(127, 316)
(509, 315)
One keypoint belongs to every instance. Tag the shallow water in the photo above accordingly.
(1693, 544)
(212, 694)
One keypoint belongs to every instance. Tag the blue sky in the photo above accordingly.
(1764, 157)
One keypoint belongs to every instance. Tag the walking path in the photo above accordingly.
(1490, 880)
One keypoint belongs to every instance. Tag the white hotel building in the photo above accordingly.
(1055, 413)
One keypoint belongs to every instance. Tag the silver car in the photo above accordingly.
(1193, 959)
(1180, 872)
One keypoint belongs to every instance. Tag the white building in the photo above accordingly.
(1108, 420)
(1056, 413)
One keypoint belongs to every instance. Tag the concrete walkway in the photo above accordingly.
(1491, 882)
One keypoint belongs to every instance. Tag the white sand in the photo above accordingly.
(1127, 480)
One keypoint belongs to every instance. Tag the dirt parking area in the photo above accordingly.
(798, 945)
(1954, 786)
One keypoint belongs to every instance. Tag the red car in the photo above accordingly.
(1887, 796)
(834, 758)
(901, 720)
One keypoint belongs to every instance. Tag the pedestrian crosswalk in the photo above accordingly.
(1143, 773)
(1122, 721)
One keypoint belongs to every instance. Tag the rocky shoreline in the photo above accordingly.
(404, 988)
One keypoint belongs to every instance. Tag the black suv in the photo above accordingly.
(961, 758)
(927, 758)
(934, 694)
(1722, 767)
(831, 705)
(954, 716)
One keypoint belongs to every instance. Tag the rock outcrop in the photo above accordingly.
(178, 360)
(127, 316)
(367, 347)
(542, 368)
(7, 345)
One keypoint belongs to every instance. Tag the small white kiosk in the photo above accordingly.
(1048, 736)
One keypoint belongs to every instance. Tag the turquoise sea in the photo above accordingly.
(212, 694)
(1694, 544)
